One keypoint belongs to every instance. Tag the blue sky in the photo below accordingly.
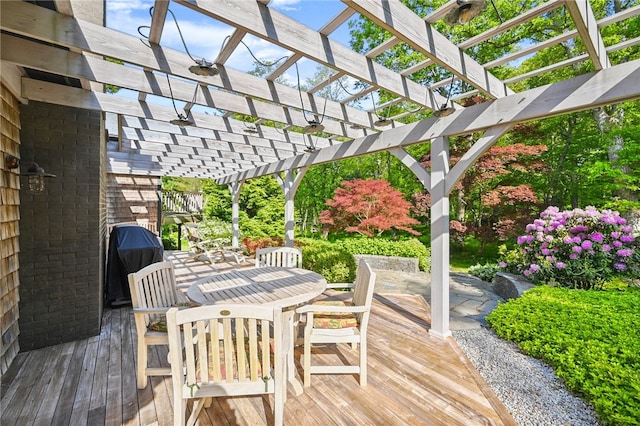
(204, 37)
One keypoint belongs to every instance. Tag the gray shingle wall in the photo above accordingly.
(61, 230)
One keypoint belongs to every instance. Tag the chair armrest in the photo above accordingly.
(341, 285)
(331, 309)
(160, 310)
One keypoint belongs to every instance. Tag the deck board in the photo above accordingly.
(414, 378)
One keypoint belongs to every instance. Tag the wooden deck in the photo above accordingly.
(414, 379)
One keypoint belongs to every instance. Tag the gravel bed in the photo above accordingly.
(527, 387)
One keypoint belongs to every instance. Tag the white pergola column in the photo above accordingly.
(289, 184)
(439, 238)
(235, 212)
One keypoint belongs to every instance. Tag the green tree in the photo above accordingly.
(591, 155)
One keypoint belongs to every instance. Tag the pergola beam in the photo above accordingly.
(264, 22)
(399, 20)
(40, 23)
(612, 85)
(587, 27)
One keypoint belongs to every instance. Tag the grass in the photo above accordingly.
(589, 337)
(469, 254)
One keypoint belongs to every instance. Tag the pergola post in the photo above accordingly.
(289, 184)
(235, 212)
(439, 238)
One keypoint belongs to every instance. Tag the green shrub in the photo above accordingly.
(485, 272)
(329, 260)
(578, 248)
(381, 247)
(216, 229)
(589, 337)
(170, 236)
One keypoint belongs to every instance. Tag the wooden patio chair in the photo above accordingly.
(340, 322)
(288, 257)
(211, 250)
(226, 350)
(153, 292)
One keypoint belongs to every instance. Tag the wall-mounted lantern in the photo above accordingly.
(34, 173)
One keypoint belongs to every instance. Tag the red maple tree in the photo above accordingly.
(487, 203)
(368, 207)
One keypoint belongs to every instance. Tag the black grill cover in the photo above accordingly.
(131, 248)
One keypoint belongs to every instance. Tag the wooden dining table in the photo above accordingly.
(285, 288)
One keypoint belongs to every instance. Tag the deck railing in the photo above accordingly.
(182, 202)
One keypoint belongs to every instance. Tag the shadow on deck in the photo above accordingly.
(414, 378)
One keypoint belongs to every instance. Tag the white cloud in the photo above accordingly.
(285, 4)
(128, 6)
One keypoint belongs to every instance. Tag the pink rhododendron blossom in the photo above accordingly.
(579, 248)
(597, 237)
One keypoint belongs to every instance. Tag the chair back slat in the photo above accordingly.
(239, 354)
(153, 286)
(226, 350)
(287, 257)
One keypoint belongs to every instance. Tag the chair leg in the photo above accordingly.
(307, 362)
(178, 411)
(363, 361)
(198, 404)
(142, 364)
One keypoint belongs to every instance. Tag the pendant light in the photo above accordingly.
(465, 11)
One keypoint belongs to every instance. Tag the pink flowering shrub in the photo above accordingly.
(578, 248)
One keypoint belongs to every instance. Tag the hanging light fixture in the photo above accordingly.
(311, 148)
(446, 110)
(35, 173)
(465, 11)
(252, 129)
(183, 119)
(313, 126)
(202, 66)
(381, 121)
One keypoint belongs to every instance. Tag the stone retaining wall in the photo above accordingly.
(390, 263)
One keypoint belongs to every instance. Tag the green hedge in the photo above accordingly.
(382, 247)
(589, 337)
(335, 260)
(329, 260)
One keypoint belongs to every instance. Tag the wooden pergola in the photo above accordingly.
(62, 59)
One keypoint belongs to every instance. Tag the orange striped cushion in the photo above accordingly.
(221, 356)
(160, 323)
(334, 319)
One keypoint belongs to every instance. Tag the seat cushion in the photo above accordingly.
(221, 355)
(334, 319)
(160, 323)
